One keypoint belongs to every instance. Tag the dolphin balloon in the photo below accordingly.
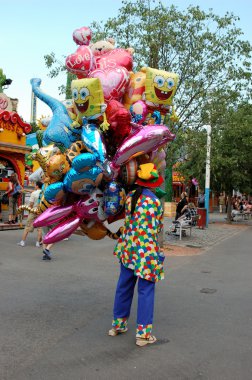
(143, 140)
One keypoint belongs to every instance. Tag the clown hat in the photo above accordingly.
(148, 176)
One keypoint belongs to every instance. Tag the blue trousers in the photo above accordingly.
(124, 296)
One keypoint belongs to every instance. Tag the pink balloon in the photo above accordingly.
(114, 82)
(114, 58)
(144, 140)
(82, 36)
(52, 215)
(195, 182)
(89, 207)
(139, 111)
(62, 231)
(81, 62)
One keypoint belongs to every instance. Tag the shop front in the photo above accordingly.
(13, 147)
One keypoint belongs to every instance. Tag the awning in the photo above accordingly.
(14, 148)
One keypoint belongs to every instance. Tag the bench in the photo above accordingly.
(188, 224)
(242, 215)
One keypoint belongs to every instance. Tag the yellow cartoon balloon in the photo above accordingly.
(88, 98)
(160, 86)
(43, 155)
(135, 89)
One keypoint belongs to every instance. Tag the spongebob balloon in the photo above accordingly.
(88, 99)
(160, 88)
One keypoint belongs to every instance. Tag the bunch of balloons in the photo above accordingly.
(95, 141)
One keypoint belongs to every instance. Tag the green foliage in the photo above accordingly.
(231, 147)
(191, 153)
(2, 80)
(39, 137)
(56, 67)
(68, 92)
(204, 49)
(34, 129)
(214, 64)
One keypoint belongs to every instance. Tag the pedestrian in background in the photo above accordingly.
(201, 200)
(222, 200)
(13, 191)
(181, 206)
(33, 203)
(1, 219)
(47, 254)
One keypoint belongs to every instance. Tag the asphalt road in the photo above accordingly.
(54, 316)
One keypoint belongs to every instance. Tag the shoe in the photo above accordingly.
(114, 332)
(13, 222)
(21, 243)
(38, 244)
(141, 342)
(9, 222)
(47, 254)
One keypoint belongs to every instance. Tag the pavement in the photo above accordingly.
(54, 316)
(202, 239)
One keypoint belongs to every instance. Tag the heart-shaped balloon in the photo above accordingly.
(114, 58)
(114, 82)
(81, 62)
(82, 36)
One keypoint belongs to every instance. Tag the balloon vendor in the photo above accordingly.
(140, 256)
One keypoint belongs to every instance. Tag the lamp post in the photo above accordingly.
(33, 108)
(207, 182)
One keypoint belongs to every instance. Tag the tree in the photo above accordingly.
(203, 48)
(4, 81)
(206, 50)
(34, 128)
(231, 160)
(56, 67)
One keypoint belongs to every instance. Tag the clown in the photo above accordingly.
(140, 256)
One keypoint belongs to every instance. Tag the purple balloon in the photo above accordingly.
(145, 139)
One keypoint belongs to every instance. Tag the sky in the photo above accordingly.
(31, 29)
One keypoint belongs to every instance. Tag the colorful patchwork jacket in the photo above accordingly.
(138, 248)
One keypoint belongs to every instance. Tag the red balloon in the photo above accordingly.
(114, 58)
(81, 62)
(114, 82)
(117, 114)
(119, 119)
(82, 36)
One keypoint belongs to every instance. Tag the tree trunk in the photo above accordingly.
(168, 184)
(229, 208)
